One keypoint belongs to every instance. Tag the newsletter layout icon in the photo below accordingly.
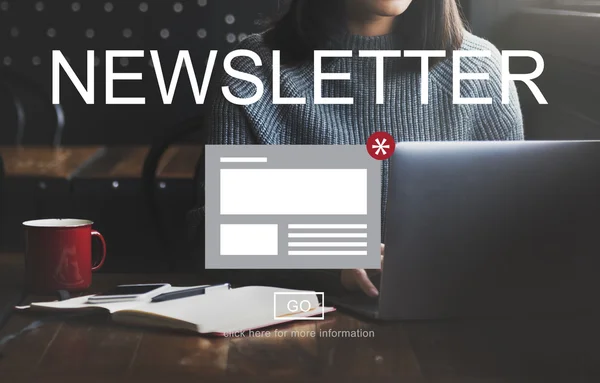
(292, 207)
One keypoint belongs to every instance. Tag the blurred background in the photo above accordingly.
(130, 167)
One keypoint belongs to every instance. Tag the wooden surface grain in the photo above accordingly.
(127, 162)
(12, 267)
(35, 347)
(46, 161)
(178, 161)
(181, 163)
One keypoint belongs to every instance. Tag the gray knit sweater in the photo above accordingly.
(402, 114)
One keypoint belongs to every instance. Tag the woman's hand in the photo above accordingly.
(358, 279)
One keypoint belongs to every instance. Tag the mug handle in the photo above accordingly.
(103, 243)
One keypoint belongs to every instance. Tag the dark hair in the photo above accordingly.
(310, 25)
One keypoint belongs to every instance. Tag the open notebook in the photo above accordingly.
(219, 312)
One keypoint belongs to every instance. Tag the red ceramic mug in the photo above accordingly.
(58, 254)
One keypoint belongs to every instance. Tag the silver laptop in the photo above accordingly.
(489, 229)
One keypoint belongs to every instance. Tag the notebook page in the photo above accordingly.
(259, 309)
(221, 311)
(80, 303)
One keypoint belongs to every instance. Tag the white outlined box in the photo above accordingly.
(293, 192)
(327, 244)
(328, 252)
(327, 226)
(287, 317)
(327, 235)
(244, 159)
(249, 239)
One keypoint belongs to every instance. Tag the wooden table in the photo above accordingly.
(126, 162)
(11, 277)
(46, 162)
(93, 349)
(178, 161)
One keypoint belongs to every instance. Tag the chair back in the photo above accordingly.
(177, 133)
(1, 194)
(27, 113)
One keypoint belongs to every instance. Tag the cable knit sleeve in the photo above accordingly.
(227, 124)
(499, 121)
(496, 121)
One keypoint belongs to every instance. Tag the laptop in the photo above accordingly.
(489, 229)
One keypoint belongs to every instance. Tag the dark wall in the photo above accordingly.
(564, 33)
(571, 79)
(31, 29)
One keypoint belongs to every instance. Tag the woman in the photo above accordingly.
(311, 25)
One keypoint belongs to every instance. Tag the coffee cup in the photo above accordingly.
(58, 255)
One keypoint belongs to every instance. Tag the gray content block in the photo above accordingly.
(292, 207)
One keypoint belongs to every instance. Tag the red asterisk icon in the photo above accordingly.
(381, 146)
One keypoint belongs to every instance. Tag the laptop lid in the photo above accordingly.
(488, 229)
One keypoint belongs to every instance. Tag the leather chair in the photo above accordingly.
(1, 194)
(149, 182)
(28, 98)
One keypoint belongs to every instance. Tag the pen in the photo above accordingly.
(188, 292)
